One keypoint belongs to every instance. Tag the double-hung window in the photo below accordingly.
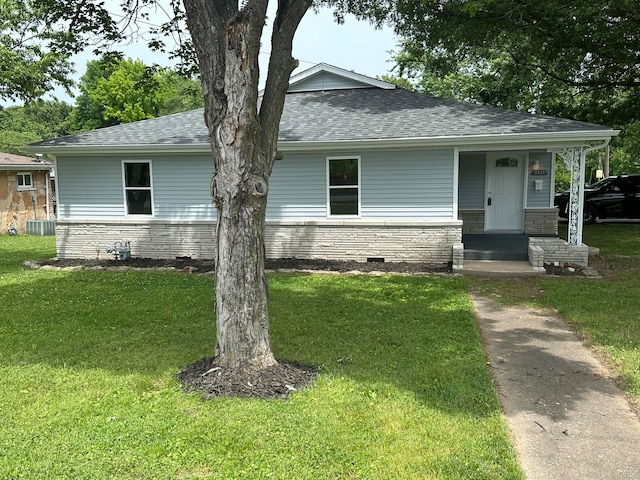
(343, 186)
(25, 181)
(137, 187)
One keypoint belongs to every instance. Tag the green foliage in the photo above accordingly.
(626, 158)
(32, 122)
(588, 45)
(131, 92)
(399, 82)
(87, 388)
(88, 115)
(489, 79)
(116, 90)
(570, 59)
(37, 39)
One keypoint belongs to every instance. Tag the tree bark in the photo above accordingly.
(244, 143)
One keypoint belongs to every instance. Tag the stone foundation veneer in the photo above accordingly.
(541, 221)
(472, 221)
(537, 221)
(358, 240)
(542, 249)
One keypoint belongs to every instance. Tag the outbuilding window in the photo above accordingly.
(343, 186)
(137, 187)
(25, 181)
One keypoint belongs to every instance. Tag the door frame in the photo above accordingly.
(490, 169)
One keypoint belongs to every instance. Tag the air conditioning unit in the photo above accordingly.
(41, 228)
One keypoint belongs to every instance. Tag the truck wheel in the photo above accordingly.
(590, 215)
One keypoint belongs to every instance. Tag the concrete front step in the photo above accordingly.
(499, 268)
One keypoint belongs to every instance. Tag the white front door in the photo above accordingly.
(504, 191)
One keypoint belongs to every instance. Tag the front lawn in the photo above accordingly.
(87, 388)
(606, 312)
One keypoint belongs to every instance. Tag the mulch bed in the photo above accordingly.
(203, 266)
(271, 383)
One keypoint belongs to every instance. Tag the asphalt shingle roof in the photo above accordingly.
(19, 161)
(335, 115)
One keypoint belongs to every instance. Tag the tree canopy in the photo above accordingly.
(37, 39)
(572, 59)
(35, 121)
(118, 90)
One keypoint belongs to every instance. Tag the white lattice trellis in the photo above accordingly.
(573, 157)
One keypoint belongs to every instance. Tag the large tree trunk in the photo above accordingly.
(244, 142)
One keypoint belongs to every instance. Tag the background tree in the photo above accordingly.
(117, 90)
(573, 59)
(35, 121)
(88, 115)
(37, 39)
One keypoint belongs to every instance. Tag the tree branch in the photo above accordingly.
(281, 65)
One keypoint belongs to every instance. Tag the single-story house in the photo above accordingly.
(366, 171)
(26, 191)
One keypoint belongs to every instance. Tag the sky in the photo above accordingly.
(354, 45)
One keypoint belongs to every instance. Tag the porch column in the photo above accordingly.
(574, 158)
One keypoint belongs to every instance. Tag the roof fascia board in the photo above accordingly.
(197, 148)
(324, 67)
(26, 167)
(464, 143)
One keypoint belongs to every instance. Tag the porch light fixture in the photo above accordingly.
(599, 170)
(536, 165)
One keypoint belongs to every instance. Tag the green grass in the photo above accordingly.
(606, 313)
(87, 389)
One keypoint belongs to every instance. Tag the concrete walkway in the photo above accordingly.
(568, 419)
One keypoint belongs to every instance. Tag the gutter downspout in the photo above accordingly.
(47, 179)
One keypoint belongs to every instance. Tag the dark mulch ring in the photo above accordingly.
(271, 383)
(203, 266)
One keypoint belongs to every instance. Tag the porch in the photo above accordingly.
(519, 254)
(498, 247)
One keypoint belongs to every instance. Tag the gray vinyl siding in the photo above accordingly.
(402, 185)
(539, 199)
(181, 187)
(89, 187)
(325, 81)
(407, 185)
(471, 181)
(93, 187)
(298, 188)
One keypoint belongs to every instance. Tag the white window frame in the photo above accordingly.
(338, 187)
(24, 187)
(125, 189)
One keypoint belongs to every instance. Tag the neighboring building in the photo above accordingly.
(368, 171)
(26, 191)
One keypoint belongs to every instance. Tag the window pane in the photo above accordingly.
(24, 180)
(343, 172)
(507, 162)
(137, 175)
(139, 202)
(343, 201)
